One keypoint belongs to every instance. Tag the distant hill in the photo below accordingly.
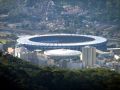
(16, 74)
(107, 9)
(59, 14)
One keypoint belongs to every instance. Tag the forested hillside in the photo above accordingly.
(106, 9)
(60, 14)
(16, 74)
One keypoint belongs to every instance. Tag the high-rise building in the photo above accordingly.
(89, 56)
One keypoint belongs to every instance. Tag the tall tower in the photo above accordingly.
(89, 56)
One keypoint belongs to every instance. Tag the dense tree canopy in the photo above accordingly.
(17, 74)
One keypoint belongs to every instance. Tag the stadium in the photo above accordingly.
(62, 41)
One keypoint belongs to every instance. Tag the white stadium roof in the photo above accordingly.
(62, 52)
(26, 40)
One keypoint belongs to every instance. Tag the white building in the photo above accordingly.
(89, 56)
(63, 63)
(75, 65)
(42, 59)
(32, 56)
(62, 53)
(19, 51)
(23, 53)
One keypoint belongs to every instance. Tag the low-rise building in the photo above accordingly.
(10, 50)
(75, 65)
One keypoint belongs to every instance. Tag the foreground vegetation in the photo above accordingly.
(17, 74)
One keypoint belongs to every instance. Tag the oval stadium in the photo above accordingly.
(62, 41)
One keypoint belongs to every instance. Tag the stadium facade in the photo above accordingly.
(62, 41)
